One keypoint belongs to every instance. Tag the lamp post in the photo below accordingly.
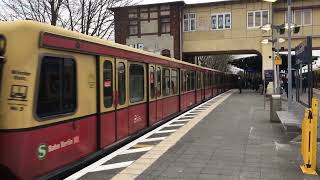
(289, 58)
(267, 28)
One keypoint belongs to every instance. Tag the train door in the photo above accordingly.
(107, 106)
(121, 103)
(152, 101)
(114, 111)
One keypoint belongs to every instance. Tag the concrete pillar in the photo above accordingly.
(266, 52)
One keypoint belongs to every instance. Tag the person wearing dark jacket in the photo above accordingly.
(240, 84)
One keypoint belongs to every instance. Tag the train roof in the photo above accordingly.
(37, 28)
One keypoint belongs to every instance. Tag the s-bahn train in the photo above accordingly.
(67, 98)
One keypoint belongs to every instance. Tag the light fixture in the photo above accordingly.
(270, 0)
(265, 41)
(281, 40)
(266, 27)
(292, 26)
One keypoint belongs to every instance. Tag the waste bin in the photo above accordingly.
(275, 105)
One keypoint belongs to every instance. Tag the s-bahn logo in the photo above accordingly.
(42, 151)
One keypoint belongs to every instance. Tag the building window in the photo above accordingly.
(133, 27)
(256, 19)
(301, 17)
(165, 25)
(186, 22)
(221, 21)
(136, 74)
(57, 89)
(107, 84)
(189, 22)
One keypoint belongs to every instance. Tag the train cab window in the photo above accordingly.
(166, 82)
(57, 88)
(136, 85)
(159, 82)
(152, 80)
(174, 81)
(121, 83)
(107, 84)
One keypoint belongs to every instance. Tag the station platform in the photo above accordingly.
(228, 137)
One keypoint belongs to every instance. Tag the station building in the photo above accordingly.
(184, 31)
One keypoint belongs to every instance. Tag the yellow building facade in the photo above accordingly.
(235, 27)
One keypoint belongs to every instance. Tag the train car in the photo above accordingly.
(67, 98)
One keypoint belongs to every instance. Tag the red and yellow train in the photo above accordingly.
(66, 98)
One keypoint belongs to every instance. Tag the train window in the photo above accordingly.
(166, 82)
(158, 82)
(188, 80)
(198, 80)
(107, 84)
(174, 81)
(121, 83)
(183, 81)
(193, 80)
(57, 88)
(136, 75)
(152, 82)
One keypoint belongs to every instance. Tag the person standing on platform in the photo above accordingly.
(240, 84)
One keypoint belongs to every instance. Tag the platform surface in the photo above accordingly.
(235, 141)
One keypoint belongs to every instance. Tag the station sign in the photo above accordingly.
(268, 75)
(277, 60)
(304, 51)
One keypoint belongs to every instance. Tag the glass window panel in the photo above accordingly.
(214, 22)
(136, 83)
(257, 18)
(192, 25)
(250, 19)
(307, 17)
(298, 17)
(121, 83)
(164, 7)
(265, 17)
(227, 21)
(144, 15)
(174, 82)
(164, 13)
(133, 22)
(165, 27)
(152, 80)
(153, 8)
(153, 14)
(159, 82)
(182, 81)
(193, 80)
(166, 82)
(198, 80)
(220, 21)
(133, 30)
(185, 25)
(192, 15)
(107, 84)
(57, 88)
(133, 15)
